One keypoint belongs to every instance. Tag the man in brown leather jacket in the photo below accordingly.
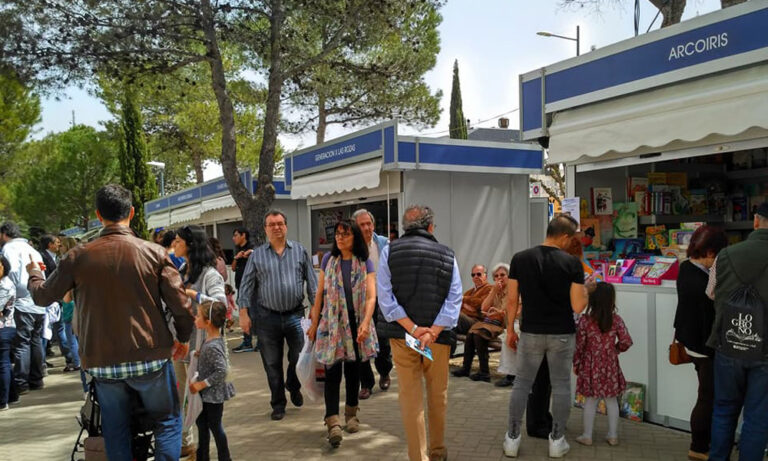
(120, 283)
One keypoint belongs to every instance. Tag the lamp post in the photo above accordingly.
(161, 167)
(577, 39)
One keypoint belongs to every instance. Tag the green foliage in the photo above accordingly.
(19, 112)
(381, 79)
(56, 178)
(133, 158)
(458, 124)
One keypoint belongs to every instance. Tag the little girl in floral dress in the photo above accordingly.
(601, 336)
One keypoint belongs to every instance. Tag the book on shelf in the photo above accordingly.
(658, 269)
(655, 237)
(602, 200)
(698, 202)
(678, 180)
(635, 185)
(739, 208)
(657, 178)
(590, 227)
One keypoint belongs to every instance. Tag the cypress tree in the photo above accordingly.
(458, 124)
(134, 171)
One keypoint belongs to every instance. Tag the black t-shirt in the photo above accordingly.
(544, 275)
(240, 263)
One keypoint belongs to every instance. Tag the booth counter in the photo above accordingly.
(683, 112)
(478, 190)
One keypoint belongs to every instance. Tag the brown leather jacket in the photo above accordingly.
(119, 282)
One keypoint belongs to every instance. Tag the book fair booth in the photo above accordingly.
(478, 190)
(211, 206)
(659, 134)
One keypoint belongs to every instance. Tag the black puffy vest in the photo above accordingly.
(421, 270)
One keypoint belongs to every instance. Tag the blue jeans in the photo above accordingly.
(7, 386)
(74, 351)
(739, 384)
(59, 331)
(28, 350)
(158, 395)
(72, 343)
(274, 330)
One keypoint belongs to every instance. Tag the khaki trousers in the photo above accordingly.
(412, 368)
(180, 368)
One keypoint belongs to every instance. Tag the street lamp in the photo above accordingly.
(577, 39)
(161, 167)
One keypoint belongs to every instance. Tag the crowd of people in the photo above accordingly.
(145, 322)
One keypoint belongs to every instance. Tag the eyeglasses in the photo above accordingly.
(477, 274)
(343, 235)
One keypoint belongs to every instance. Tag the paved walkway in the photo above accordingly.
(43, 426)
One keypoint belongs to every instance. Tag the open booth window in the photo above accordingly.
(722, 189)
(324, 219)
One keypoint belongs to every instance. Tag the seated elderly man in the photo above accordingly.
(489, 328)
(473, 300)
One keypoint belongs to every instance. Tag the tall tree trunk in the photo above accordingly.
(671, 10)
(265, 192)
(727, 3)
(197, 163)
(322, 119)
(239, 192)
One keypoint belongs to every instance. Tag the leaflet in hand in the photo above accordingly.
(414, 344)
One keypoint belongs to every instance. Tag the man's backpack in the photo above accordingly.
(743, 328)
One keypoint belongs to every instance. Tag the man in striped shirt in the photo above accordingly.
(271, 298)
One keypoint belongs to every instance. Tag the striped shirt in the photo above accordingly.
(278, 281)
(127, 369)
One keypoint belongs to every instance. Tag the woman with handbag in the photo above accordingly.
(693, 324)
(341, 323)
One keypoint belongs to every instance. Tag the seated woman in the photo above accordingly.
(492, 325)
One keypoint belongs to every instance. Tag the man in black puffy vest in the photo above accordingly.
(419, 290)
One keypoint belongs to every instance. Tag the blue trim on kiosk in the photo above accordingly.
(211, 189)
(411, 153)
(718, 41)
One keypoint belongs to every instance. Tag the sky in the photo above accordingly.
(494, 42)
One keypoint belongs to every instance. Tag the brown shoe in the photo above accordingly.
(350, 417)
(365, 393)
(335, 433)
(696, 456)
(385, 382)
(438, 456)
(189, 452)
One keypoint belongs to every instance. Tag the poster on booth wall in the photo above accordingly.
(572, 208)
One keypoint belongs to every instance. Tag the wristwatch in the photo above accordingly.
(414, 328)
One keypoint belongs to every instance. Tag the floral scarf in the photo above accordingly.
(334, 337)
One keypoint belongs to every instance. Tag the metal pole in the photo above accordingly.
(162, 182)
(577, 41)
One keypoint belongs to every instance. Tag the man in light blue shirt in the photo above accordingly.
(420, 294)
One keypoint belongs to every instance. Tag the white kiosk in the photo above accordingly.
(210, 205)
(478, 190)
(691, 98)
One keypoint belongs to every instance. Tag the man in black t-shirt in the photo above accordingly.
(243, 249)
(551, 284)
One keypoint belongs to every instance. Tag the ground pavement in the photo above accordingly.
(43, 426)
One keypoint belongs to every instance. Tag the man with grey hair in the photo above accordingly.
(419, 289)
(376, 243)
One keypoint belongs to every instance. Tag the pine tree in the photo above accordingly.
(458, 124)
(134, 171)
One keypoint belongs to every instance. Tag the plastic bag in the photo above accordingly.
(311, 374)
(193, 403)
(508, 359)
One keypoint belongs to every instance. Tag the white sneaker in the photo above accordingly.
(558, 448)
(511, 446)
